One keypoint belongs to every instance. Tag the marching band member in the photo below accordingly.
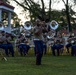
(10, 43)
(51, 37)
(54, 48)
(27, 43)
(44, 47)
(6, 44)
(68, 45)
(73, 45)
(44, 33)
(38, 41)
(73, 48)
(21, 44)
(1, 51)
(58, 45)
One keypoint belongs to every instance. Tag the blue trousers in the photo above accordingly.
(73, 50)
(38, 50)
(22, 48)
(7, 47)
(56, 47)
(44, 48)
(11, 49)
(68, 46)
(27, 48)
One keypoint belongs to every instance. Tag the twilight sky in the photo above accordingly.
(24, 18)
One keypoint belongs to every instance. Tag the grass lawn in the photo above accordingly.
(51, 65)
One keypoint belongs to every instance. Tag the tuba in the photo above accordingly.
(51, 34)
(27, 29)
(54, 25)
(28, 25)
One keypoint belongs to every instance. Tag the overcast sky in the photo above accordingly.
(17, 9)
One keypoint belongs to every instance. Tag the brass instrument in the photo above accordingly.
(26, 29)
(54, 25)
(51, 34)
(28, 25)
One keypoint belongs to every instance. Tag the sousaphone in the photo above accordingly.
(51, 34)
(54, 25)
(28, 25)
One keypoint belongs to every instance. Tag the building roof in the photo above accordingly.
(2, 3)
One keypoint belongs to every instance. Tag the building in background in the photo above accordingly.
(8, 9)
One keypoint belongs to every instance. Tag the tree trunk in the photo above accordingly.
(68, 18)
(49, 14)
(43, 10)
(67, 15)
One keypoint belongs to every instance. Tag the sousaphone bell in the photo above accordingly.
(28, 27)
(54, 25)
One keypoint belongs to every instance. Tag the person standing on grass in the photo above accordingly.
(21, 45)
(10, 46)
(58, 46)
(69, 44)
(38, 41)
(3, 44)
(73, 48)
(7, 43)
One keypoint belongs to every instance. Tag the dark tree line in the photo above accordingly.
(37, 10)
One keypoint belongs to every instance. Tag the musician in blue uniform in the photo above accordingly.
(38, 42)
(6, 44)
(21, 45)
(73, 47)
(10, 44)
(44, 48)
(3, 42)
(69, 44)
(57, 47)
(27, 46)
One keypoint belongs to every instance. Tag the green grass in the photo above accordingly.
(51, 65)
